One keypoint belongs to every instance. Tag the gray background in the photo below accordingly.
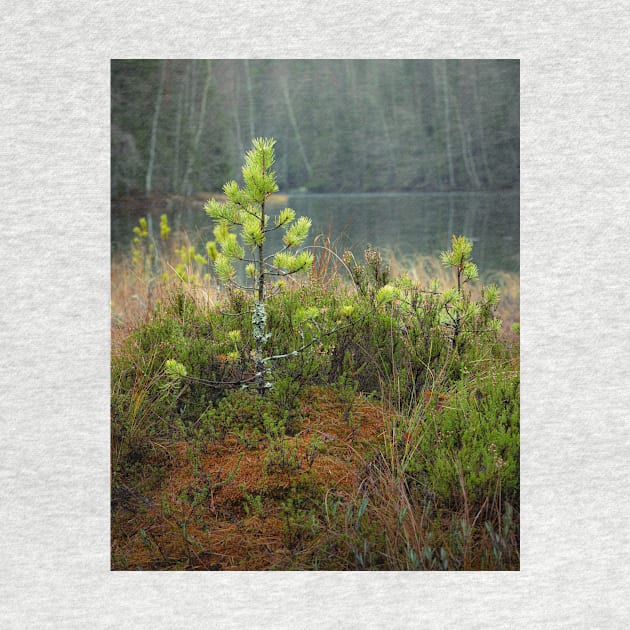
(54, 328)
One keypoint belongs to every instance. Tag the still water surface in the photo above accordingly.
(399, 224)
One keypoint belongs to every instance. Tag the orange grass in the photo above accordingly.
(219, 533)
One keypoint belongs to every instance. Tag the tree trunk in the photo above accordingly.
(156, 116)
(469, 163)
(192, 153)
(178, 136)
(391, 160)
(250, 101)
(259, 320)
(447, 123)
(237, 117)
(287, 99)
(480, 126)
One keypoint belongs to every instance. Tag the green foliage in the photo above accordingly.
(143, 254)
(300, 518)
(451, 428)
(174, 370)
(459, 259)
(386, 294)
(503, 551)
(165, 229)
(284, 217)
(459, 254)
(223, 267)
(147, 253)
(253, 504)
(245, 209)
(297, 232)
(315, 447)
(394, 341)
(472, 443)
(281, 455)
(372, 276)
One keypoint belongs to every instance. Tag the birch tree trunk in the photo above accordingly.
(250, 100)
(480, 126)
(194, 148)
(469, 162)
(178, 136)
(237, 117)
(287, 99)
(154, 127)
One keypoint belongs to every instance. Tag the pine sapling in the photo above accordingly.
(457, 305)
(244, 212)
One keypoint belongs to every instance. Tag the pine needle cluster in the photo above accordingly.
(244, 212)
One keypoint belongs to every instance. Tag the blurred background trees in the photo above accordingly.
(181, 126)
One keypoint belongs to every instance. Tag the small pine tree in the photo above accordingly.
(244, 210)
(459, 259)
(461, 309)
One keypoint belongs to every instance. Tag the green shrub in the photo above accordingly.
(469, 449)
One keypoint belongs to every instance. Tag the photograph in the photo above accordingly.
(321, 304)
(315, 315)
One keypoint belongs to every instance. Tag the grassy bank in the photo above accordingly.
(389, 440)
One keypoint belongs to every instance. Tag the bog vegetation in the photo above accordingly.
(312, 410)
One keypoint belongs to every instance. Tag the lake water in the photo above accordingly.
(402, 224)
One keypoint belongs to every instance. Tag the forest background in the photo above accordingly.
(181, 126)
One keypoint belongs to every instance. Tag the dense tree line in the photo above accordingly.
(180, 126)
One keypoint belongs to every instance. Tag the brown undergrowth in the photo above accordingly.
(225, 508)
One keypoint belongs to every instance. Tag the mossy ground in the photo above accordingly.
(242, 521)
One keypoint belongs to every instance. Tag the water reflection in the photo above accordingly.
(403, 224)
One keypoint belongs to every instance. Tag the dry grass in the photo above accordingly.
(136, 290)
(422, 269)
